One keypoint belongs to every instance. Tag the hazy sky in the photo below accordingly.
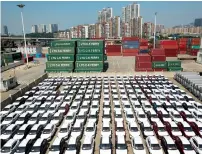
(68, 14)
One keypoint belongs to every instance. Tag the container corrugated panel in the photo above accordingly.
(90, 43)
(175, 69)
(63, 43)
(173, 64)
(159, 65)
(195, 46)
(58, 71)
(87, 71)
(62, 57)
(89, 57)
(67, 50)
(60, 65)
(131, 46)
(89, 65)
(131, 42)
(93, 50)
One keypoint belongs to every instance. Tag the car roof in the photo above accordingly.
(10, 127)
(57, 141)
(48, 126)
(172, 123)
(24, 142)
(119, 124)
(198, 112)
(90, 124)
(9, 142)
(24, 126)
(160, 124)
(105, 139)
(24, 114)
(146, 124)
(38, 142)
(169, 140)
(137, 140)
(35, 127)
(199, 140)
(184, 140)
(121, 139)
(185, 124)
(87, 140)
(72, 140)
(12, 114)
(153, 140)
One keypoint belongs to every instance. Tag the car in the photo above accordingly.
(32, 108)
(8, 133)
(48, 132)
(106, 114)
(141, 116)
(73, 145)
(146, 129)
(45, 118)
(197, 115)
(40, 146)
(10, 146)
(119, 127)
(186, 129)
(64, 108)
(22, 132)
(197, 106)
(23, 118)
(196, 143)
(11, 118)
(90, 129)
(120, 145)
(175, 116)
(8, 109)
(93, 115)
(152, 116)
(130, 116)
(187, 116)
(164, 115)
(19, 101)
(146, 106)
(34, 119)
(64, 131)
(118, 115)
(24, 147)
(184, 145)
(173, 129)
(168, 145)
(57, 118)
(137, 145)
(77, 129)
(43, 108)
(168, 106)
(133, 129)
(30, 101)
(188, 106)
(137, 106)
(58, 146)
(70, 117)
(82, 116)
(197, 127)
(88, 145)
(159, 129)
(106, 129)
(35, 131)
(105, 145)
(153, 145)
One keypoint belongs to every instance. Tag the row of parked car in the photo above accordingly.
(159, 107)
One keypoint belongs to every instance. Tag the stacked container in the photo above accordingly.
(113, 50)
(130, 46)
(174, 66)
(144, 48)
(170, 47)
(143, 62)
(194, 46)
(90, 56)
(158, 59)
(182, 44)
(61, 56)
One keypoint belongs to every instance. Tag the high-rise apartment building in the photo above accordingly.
(34, 29)
(53, 28)
(198, 22)
(98, 30)
(159, 28)
(91, 31)
(136, 27)
(84, 32)
(42, 28)
(116, 28)
(5, 30)
(148, 29)
(105, 15)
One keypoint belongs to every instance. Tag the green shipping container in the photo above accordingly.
(89, 65)
(60, 65)
(62, 57)
(105, 57)
(90, 43)
(67, 50)
(89, 57)
(87, 71)
(173, 64)
(175, 69)
(93, 50)
(195, 46)
(159, 64)
(63, 43)
(58, 71)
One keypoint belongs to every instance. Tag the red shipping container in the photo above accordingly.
(112, 50)
(169, 46)
(159, 69)
(129, 54)
(143, 69)
(143, 47)
(195, 43)
(130, 39)
(114, 54)
(158, 58)
(113, 46)
(195, 39)
(143, 64)
(130, 50)
(182, 52)
(168, 42)
(183, 40)
(158, 52)
(143, 40)
(143, 58)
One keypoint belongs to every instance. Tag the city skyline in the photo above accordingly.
(66, 19)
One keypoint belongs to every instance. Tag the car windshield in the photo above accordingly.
(20, 150)
(139, 147)
(187, 147)
(93, 116)
(120, 129)
(76, 129)
(147, 106)
(90, 129)
(32, 132)
(106, 116)
(105, 146)
(200, 146)
(130, 116)
(166, 116)
(55, 148)
(154, 116)
(161, 129)
(35, 149)
(200, 116)
(142, 116)
(74, 107)
(56, 118)
(121, 146)
(71, 147)
(8, 132)
(188, 129)
(63, 130)
(177, 116)
(43, 118)
(155, 147)
(46, 131)
(172, 147)
(133, 129)
(33, 119)
(148, 129)
(21, 118)
(137, 106)
(175, 129)
(69, 117)
(20, 132)
(86, 146)
(118, 116)
(5, 149)
(8, 119)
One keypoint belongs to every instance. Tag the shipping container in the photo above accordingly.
(60, 57)
(159, 65)
(89, 57)
(130, 51)
(130, 39)
(175, 69)
(158, 58)
(91, 50)
(111, 50)
(58, 70)
(195, 47)
(159, 69)
(59, 65)
(157, 52)
(88, 71)
(113, 54)
(126, 54)
(176, 63)
(168, 42)
(63, 43)
(143, 69)
(113, 46)
(90, 43)
(143, 64)
(67, 50)
(144, 51)
(105, 57)
(88, 65)
(143, 58)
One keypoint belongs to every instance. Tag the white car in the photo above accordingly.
(77, 129)
(121, 147)
(105, 145)
(35, 131)
(146, 129)
(137, 145)
(88, 145)
(186, 145)
(169, 146)
(146, 106)
(57, 118)
(8, 109)
(90, 129)
(23, 130)
(118, 115)
(175, 116)
(70, 118)
(153, 145)
(164, 114)
(45, 119)
(133, 129)
(48, 132)
(197, 115)
(34, 118)
(120, 130)
(106, 129)
(196, 143)
(141, 116)
(64, 131)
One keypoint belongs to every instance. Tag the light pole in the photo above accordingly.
(23, 28)
(155, 30)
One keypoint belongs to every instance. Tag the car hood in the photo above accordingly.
(178, 133)
(75, 134)
(173, 152)
(31, 122)
(61, 135)
(70, 152)
(139, 151)
(86, 151)
(189, 152)
(121, 151)
(4, 112)
(54, 122)
(155, 119)
(105, 151)
(142, 119)
(89, 133)
(156, 151)
(191, 133)
(45, 136)
(178, 119)
(34, 152)
(163, 133)
(18, 137)
(135, 133)
(191, 119)
(106, 133)
(4, 137)
(5, 122)
(19, 122)
(31, 136)
(53, 152)
(42, 122)
(149, 133)
(167, 119)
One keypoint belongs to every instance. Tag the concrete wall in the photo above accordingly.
(21, 92)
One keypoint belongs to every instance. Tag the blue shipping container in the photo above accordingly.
(130, 46)
(38, 55)
(130, 42)
(144, 51)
